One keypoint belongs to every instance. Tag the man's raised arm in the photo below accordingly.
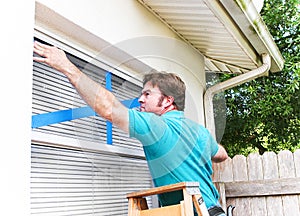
(98, 98)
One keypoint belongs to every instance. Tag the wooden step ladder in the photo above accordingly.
(137, 204)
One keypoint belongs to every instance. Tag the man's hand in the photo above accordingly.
(54, 57)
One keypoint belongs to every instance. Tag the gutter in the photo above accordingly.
(247, 18)
(210, 92)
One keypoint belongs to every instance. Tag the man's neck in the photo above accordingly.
(168, 109)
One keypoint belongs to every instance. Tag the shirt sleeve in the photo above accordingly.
(146, 127)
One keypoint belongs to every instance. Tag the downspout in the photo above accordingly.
(210, 92)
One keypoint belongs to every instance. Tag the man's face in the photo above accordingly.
(151, 99)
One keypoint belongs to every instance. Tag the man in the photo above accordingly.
(177, 149)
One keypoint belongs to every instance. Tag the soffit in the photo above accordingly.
(208, 27)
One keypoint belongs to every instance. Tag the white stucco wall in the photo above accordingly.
(17, 21)
(128, 25)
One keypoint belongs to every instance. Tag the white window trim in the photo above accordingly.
(88, 55)
(71, 143)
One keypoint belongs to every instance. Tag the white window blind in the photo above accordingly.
(72, 181)
(53, 92)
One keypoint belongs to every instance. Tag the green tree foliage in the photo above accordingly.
(264, 114)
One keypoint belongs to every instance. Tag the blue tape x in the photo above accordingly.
(45, 119)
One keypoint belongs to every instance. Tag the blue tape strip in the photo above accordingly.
(46, 119)
(132, 103)
(61, 116)
(108, 86)
(109, 137)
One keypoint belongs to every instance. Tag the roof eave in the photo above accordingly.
(244, 13)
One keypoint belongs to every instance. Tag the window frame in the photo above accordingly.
(85, 54)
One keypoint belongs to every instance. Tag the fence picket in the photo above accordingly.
(227, 173)
(290, 205)
(255, 168)
(286, 164)
(297, 167)
(287, 170)
(240, 173)
(297, 162)
(239, 167)
(274, 206)
(255, 172)
(270, 166)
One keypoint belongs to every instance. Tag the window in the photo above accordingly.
(52, 92)
(65, 179)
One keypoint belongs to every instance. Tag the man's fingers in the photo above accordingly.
(41, 49)
(37, 48)
(39, 59)
(39, 52)
(40, 45)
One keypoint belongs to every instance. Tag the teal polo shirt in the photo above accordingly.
(177, 149)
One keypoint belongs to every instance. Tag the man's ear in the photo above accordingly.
(169, 100)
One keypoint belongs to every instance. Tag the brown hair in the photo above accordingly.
(170, 85)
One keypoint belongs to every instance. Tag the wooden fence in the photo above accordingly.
(261, 185)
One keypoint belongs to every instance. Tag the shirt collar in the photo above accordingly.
(174, 113)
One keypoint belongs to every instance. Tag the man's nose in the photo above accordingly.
(141, 99)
